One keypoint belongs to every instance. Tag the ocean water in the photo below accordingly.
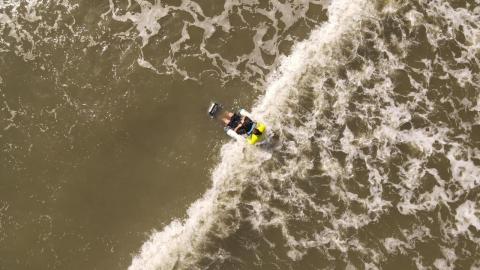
(110, 162)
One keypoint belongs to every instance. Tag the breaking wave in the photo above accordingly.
(377, 113)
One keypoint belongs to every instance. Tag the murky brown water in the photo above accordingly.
(109, 160)
(96, 150)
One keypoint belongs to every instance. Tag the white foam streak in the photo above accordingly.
(180, 238)
(147, 23)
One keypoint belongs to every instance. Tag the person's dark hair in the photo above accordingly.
(257, 132)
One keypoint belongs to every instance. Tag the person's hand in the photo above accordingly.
(239, 126)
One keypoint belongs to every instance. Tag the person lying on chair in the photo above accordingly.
(240, 123)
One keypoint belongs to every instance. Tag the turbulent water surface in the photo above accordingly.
(108, 160)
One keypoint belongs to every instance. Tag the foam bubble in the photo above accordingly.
(468, 214)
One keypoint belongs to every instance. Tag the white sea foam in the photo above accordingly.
(448, 261)
(146, 24)
(468, 214)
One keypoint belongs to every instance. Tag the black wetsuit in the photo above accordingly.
(235, 121)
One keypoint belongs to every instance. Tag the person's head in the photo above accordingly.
(257, 132)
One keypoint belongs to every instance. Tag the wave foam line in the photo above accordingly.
(177, 244)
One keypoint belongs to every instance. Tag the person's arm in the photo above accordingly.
(239, 126)
(242, 122)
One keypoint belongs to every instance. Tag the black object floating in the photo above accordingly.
(214, 109)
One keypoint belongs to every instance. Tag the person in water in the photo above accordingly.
(240, 124)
